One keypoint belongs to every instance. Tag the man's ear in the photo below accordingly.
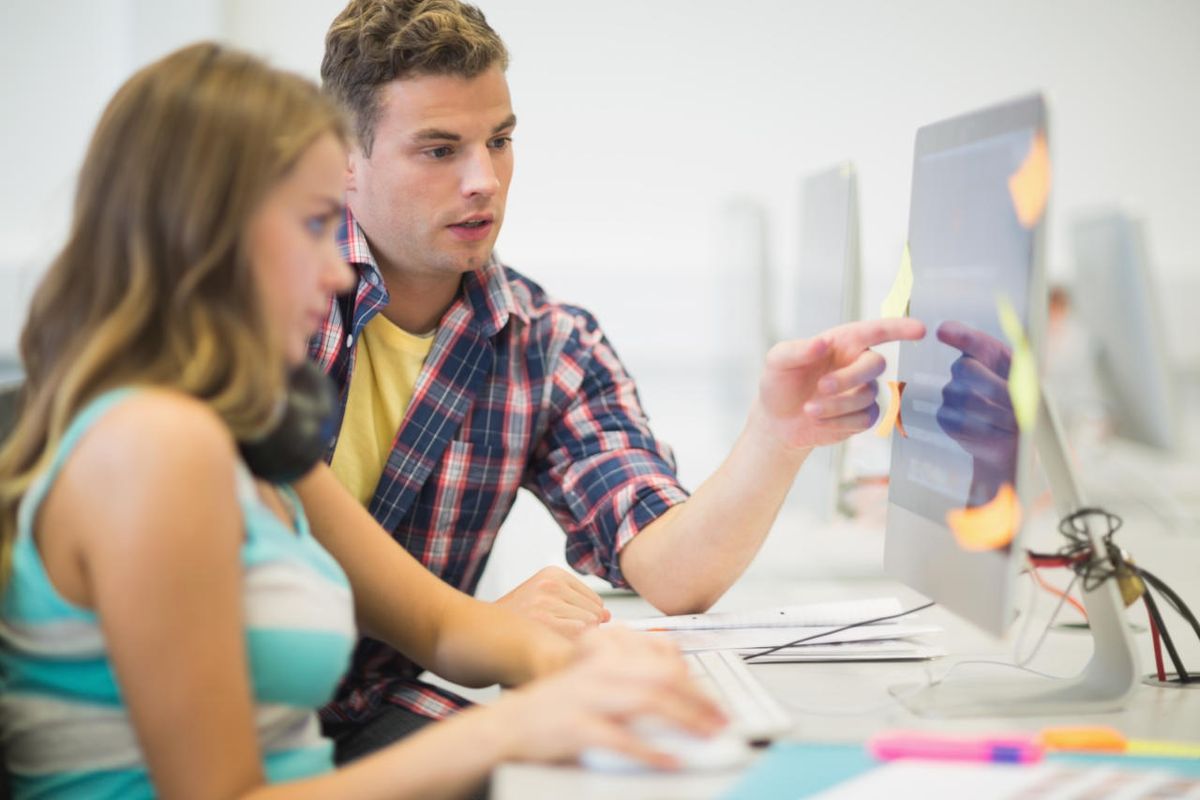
(352, 166)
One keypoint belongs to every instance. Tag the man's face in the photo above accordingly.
(431, 195)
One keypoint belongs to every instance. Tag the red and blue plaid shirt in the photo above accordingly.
(518, 391)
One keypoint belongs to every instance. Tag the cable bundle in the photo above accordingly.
(1133, 581)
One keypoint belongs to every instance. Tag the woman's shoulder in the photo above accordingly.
(150, 436)
(162, 421)
(138, 464)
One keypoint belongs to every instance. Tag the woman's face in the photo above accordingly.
(292, 240)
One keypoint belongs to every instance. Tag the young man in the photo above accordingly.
(462, 381)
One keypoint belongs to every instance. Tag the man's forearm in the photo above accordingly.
(686, 559)
(482, 644)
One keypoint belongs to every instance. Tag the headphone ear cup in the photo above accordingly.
(299, 440)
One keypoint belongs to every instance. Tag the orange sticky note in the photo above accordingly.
(891, 417)
(1030, 184)
(989, 526)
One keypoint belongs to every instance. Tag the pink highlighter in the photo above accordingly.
(1002, 749)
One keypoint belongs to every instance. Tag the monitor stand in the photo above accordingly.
(1109, 677)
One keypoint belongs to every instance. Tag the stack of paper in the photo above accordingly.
(814, 632)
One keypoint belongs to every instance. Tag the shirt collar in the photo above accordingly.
(486, 291)
(352, 243)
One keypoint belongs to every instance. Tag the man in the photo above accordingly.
(462, 381)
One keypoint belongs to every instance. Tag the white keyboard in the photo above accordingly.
(753, 713)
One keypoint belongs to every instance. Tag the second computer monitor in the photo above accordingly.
(827, 294)
(1115, 296)
(960, 460)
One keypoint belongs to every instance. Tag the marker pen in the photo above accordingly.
(1007, 749)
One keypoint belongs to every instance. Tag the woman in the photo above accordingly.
(170, 619)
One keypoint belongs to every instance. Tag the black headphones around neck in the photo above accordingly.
(299, 439)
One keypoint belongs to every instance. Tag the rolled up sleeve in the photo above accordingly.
(597, 467)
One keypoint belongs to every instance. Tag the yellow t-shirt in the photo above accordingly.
(386, 368)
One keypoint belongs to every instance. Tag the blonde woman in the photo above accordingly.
(170, 619)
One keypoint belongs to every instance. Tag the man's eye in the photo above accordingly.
(501, 142)
(316, 225)
(440, 152)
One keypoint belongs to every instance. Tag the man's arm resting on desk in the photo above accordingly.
(813, 392)
(398, 600)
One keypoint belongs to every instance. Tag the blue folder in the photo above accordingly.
(791, 770)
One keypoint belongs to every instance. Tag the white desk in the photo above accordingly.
(847, 702)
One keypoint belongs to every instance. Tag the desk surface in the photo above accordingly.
(847, 702)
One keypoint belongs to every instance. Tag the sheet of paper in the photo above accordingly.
(896, 303)
(751, 638)
(899, 650)
(891, 416)
(1029, 186)
(989, 526)
(831, 614)
(1023, 389)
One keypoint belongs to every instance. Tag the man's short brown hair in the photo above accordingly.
(374, 42)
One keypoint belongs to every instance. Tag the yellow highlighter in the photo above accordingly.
(1144, 747)
(1102, 739)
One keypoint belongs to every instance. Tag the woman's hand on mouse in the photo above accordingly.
(618, 676)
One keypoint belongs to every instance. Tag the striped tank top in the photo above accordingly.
(64, 728)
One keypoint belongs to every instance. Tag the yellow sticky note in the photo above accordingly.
(989, 526)
(1023, 389)
(896, 304)
(891, 417)
(1029, 186)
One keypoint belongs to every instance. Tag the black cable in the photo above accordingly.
(1175, 601)
(1074, 527)
(1095, 570)
(1166, 638)
(823, 634)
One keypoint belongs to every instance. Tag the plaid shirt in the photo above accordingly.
(518, 391)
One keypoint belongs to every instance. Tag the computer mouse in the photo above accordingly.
(721, 751)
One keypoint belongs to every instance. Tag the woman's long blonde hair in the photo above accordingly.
(153, 286)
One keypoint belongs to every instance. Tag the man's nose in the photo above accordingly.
(479, 174)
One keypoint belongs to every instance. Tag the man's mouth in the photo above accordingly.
(472, 229)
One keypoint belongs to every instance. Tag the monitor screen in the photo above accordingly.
(958, 452)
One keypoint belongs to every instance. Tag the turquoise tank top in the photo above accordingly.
(65, 730)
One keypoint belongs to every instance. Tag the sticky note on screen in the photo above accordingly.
(891, 416)
(989, 526)
(1023, 388)
(1029, 186)
(896, 303)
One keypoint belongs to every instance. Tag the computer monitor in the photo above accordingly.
(827, 292)
(1115, 295)
(746, 332)
(11, 379)
(961, 463)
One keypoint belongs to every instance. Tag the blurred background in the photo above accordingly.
(661, 154)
